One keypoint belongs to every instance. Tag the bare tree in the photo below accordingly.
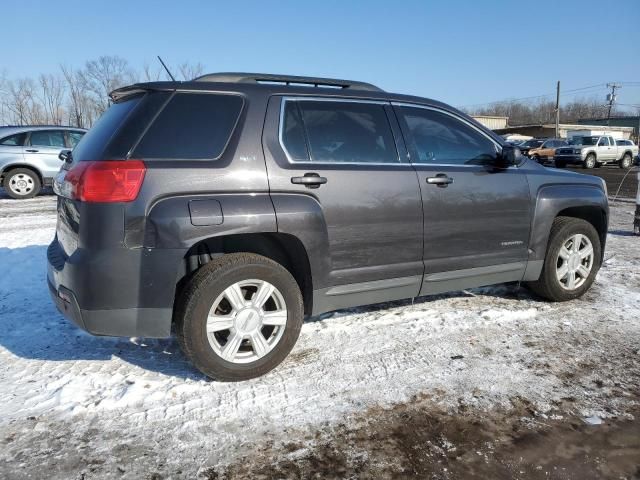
(190, 71)
(103, 75)
(79, 109)
(52, 94)
(22, 105)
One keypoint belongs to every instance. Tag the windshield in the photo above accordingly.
(532, 143)
(584, 141)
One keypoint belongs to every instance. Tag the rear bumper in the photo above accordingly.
(104, 293)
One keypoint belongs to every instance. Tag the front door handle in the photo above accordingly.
(441, 180)
(309, 180)
(32, 150)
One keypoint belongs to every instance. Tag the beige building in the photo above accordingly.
(548, 130)
(490, 121)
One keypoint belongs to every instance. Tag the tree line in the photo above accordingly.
(522, 113)
(76, 96)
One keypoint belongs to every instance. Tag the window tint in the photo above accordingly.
(14, 140)
(74, 138)
(191, 126)
(293, 137)
(95, 140)
(603, 142)
(348, 132)
(439, 138)
(47, 138)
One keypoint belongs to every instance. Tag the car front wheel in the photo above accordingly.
(572, 260)
(21, 183)
(239, 316)
(590, 161)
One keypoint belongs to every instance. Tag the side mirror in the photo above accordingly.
(64, 155)
(510, 155)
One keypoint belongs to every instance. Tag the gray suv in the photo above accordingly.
(29, 156)
(232, 206)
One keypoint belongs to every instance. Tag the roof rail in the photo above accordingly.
(235, 77)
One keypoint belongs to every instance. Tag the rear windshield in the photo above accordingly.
(92, 145)
(192, 126)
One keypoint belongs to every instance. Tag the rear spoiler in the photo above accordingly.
(138, 88)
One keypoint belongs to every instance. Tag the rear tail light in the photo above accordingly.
(105, 181)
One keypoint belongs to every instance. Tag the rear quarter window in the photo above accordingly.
(192, 126)
(93, 144)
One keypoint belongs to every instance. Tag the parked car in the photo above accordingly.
(595, 151)
(546, 150)
(531, 144)
(232, 206)
(29, 156)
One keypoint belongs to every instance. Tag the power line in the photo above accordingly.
(564, 94)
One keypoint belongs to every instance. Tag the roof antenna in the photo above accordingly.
(167, 69)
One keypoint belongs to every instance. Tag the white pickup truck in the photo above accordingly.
(594, 151)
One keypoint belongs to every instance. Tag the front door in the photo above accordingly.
(42, 150)
(476, 216)
(339, 177)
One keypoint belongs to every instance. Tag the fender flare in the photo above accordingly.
(551, 200)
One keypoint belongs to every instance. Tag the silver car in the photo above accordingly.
(29, 156)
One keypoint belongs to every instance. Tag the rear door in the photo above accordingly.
(11, 149)
(476, 216)
(344, 159)
(42, 150)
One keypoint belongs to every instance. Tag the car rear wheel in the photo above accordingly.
(535, 158)
(590, 161)
(21, 183)
(625, 162)
(572, 260)
(239, 316)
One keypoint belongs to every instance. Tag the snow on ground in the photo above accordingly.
(76, 404)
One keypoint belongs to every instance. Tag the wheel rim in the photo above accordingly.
(246, 321)
(591, 162)
(21, 184)
(626, 161)
(575, 262)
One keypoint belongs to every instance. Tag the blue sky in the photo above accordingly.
(461, 52)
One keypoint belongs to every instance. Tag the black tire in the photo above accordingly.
(201, 291)
(590, 161)
(625, 162)
(13, 180)
(561, 164)
(598, 165)
(548, 286)
(535, 158)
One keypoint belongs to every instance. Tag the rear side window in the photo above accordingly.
(191, 126)
(95, 141)
(340, 132)
(47, 138)
(16, 140)
(74, 138)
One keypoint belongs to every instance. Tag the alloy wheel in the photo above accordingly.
(246, 321)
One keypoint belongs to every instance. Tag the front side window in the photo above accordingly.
(439, 138)
(191, 126)
(47, 138)
(340, 132)
(603, 142)
(16, 140)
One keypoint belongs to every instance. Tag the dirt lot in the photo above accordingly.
(488, 383)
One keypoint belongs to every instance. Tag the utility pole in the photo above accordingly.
(611, 98)
(558, 110)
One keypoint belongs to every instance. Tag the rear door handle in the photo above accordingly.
(309, 180)
(31, 150)
(441, 180)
